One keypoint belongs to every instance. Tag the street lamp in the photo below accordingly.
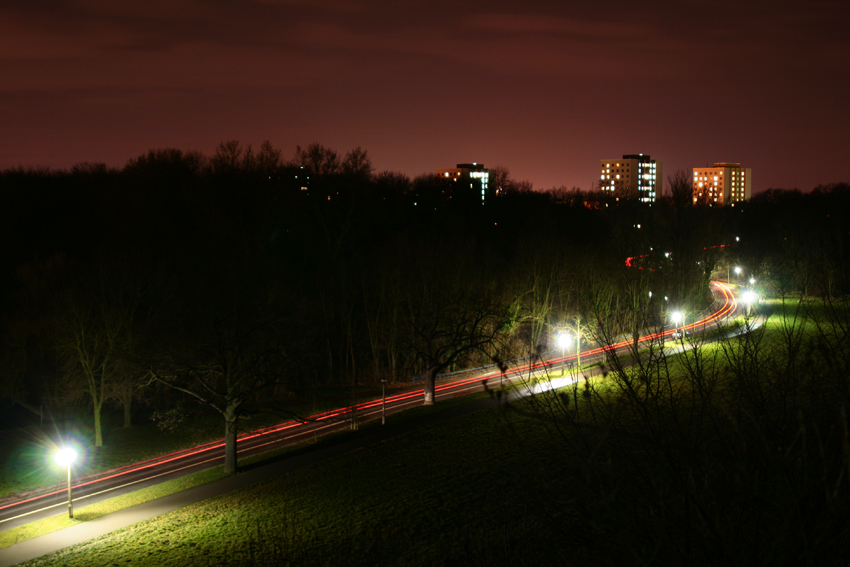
(737, 274)
(65, 457)
(752, 281)
(679, 317)
(563, 342)
(384, 403)
(749, 298)
(578, 345)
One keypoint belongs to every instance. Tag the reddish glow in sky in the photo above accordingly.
(546, 89)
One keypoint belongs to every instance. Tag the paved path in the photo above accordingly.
(91, 529)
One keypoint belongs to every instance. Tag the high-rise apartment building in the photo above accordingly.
(635, 176)
(472, 175)
(723, 184)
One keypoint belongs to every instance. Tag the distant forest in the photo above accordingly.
(244, 275)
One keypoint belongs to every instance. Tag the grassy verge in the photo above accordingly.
(452, 491)
(414, 500)
(93, 511)
(498, 487)
(27, 452)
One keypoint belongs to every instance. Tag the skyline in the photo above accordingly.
(544, 90)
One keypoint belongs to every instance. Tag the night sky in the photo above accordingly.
(546, 89)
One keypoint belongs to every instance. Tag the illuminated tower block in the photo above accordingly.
(472, 175)
(635, 176)
(723, 184)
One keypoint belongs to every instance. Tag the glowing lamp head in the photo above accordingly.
(677, 317)
(66, 456)
(563, 340)
(737, 269)
(750, 297)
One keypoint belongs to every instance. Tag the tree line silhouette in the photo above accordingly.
(244, 280)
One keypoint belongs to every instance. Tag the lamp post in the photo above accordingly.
(384, 402)
(749, 298)
(737, 274)
(563, 342)
(65, 457)
(578, 344)
(679, 317)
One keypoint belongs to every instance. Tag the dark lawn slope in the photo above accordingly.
(461, 492)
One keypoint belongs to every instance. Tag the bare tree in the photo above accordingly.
(268, 159)
(225, 340)
(732, 456)
(318, 160)
(100, 315)
(357, 164)
(228, 366)
(229, 157)
(452, 312)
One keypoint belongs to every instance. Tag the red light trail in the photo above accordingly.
(728, 307)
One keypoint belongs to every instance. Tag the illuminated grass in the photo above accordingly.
(93, 511)
(26, 453)
(413, 494)
(427, 484)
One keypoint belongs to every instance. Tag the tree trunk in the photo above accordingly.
(431, 384)
(230, 421)
(98, 433)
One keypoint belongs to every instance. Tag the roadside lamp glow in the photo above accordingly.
(563, 340)
(750, 297)
(679, 317)
(752, 281)
(65, 458)
(738, 274)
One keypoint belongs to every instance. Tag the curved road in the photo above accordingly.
(24, 508)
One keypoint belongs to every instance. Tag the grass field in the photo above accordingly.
(92, 511)
(415, 500)
(680, 464)
(26, 453)
(89, 512)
